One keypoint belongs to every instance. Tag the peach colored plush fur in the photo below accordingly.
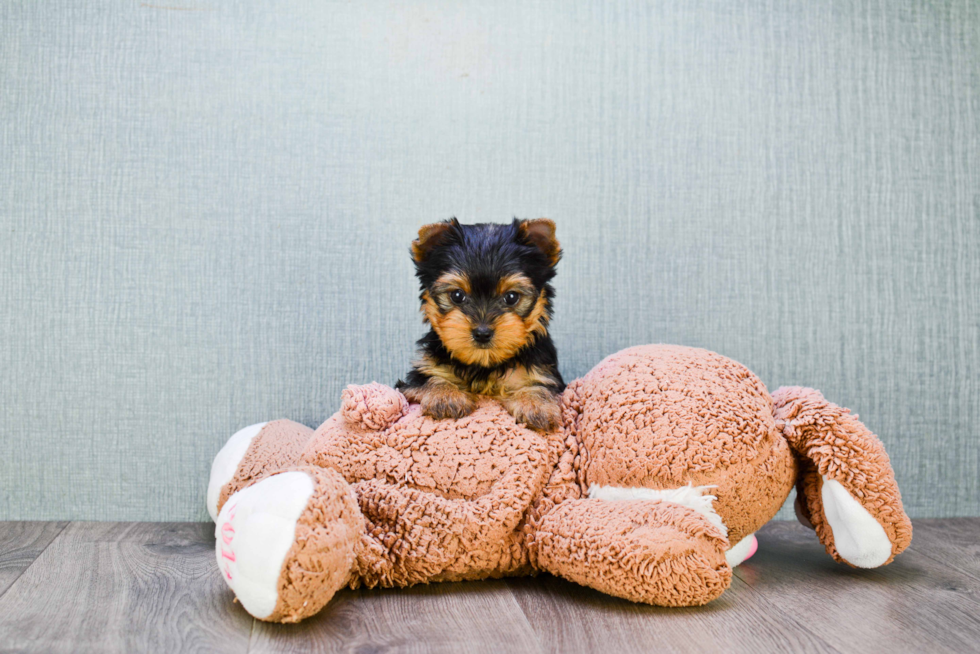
(401, 498)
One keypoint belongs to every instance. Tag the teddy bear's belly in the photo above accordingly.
(456, 459)
(675, 417)
(464, 472)
(485, 464)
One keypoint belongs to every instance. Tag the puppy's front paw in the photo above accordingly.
(446, 401)
(538, 411)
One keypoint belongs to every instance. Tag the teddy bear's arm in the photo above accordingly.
(649, 551)
(413, 535)
(846, 487)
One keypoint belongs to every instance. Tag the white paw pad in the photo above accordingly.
(742, 551)
(859, 538)
(254, 532)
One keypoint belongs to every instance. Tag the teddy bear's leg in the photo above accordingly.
(695, 497)
(846, 488)
(286, 543)
(414, 536)
(252, 453)
(648, 551)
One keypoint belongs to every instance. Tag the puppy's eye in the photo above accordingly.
(457, 296)
(511, 298)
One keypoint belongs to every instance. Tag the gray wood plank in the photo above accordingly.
(915, 604)
(463, 618)
(569, 618)
(138, 587)
(124, 587)
(20, 544)
(954, 542)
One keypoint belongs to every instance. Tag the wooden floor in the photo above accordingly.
(149, 587)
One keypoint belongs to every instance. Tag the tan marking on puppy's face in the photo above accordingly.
(536, 321)
(438, 297)
(456, 333)
(522, 286)
(455, 330)
(514, 327)
(516, 331)
(511, 331)
(509, 336)
(452, 280)
(516, 282)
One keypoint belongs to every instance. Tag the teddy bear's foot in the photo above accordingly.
(855, 536)
(252, 453)
(846, 489)
(285, 544)
(649, 551)
(691, 496)
(858, 538)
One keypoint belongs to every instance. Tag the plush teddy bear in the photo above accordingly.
(667, 461)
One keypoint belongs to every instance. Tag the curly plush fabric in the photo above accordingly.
(702, 400)
(374, 405)
(834, 444)
(645, 551)
(665, 416)
(323, 554)
(682, 445)
(276, 447)
(443, 499)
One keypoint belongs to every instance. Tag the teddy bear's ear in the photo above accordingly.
(540, 232)
(432, 236)
(373, 405)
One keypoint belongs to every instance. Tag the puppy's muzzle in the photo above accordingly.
(482, 335)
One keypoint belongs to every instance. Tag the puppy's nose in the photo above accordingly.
(482, 334)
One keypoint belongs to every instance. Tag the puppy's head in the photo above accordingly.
(485, 287)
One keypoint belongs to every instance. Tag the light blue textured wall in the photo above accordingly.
(205, 212)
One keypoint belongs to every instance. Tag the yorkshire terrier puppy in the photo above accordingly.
(487, 298)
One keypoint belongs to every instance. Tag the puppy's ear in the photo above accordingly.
(430, 237)
(540, 232)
